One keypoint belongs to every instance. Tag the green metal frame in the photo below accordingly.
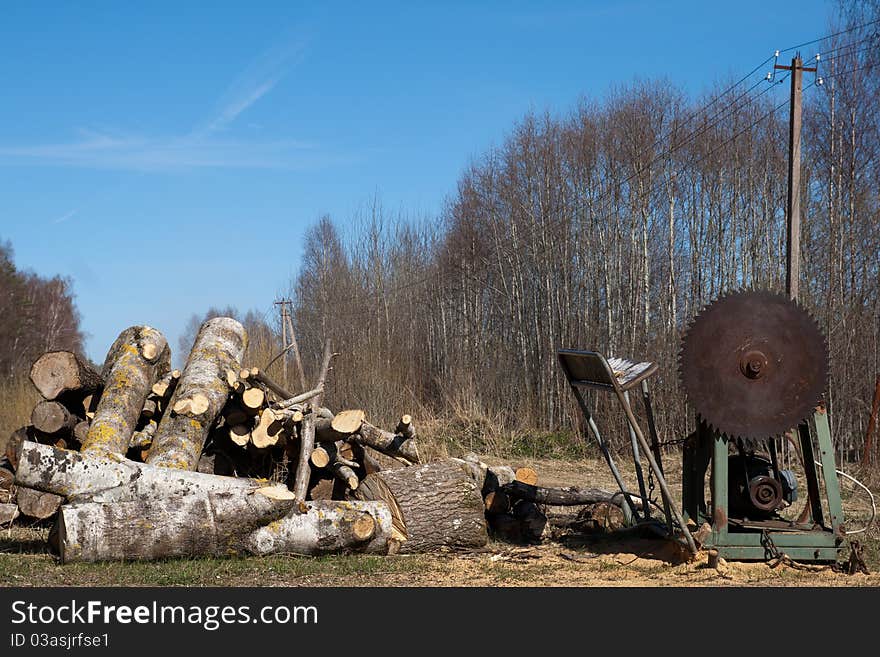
(822, 543)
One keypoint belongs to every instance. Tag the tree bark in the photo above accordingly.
(570, 496)
(387, 442)
(111, 478)
(137, 358)
(35, 503)
(58, 372)
(217, 524)
(16, 440)
(8, 513)
(53, 419)
(7, 485)
(330, 526)
(218, 347)
(432, 505)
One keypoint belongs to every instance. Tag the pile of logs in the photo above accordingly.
(139, 461)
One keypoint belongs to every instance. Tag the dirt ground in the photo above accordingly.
(565, 558)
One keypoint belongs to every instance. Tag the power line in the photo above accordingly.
(710, 123)
(831, 36)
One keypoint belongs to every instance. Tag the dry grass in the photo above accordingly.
(18, 398)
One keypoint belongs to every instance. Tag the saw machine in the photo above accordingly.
(754, 366)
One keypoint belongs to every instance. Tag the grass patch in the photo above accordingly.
(277, 570)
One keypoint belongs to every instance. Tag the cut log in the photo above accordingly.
(144, 438)
(261, 377)
(150, 409)
(219, 346)
(164, 387)
(348, 422)
(253, 399)
(217, 525)
(35, 503)
(405, 427)
(98, 478)
(53, 419)
(327, 527)
(268, 430)
(432, 506)
(301, 398)
(526, 476)
(321, 456)
(325, 433)
(387, 442)
(58, 372)
(8, 513)
(345, 474)
(570, 496)
(90, 404)
(128, 377)
(208, 524)
(240, 434)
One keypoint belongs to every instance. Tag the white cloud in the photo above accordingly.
(170, 153)
(203, 147)
(64, 217)
(257, 80)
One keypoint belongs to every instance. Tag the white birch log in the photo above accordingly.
(112, 478)
(327, 527)
(217, 524)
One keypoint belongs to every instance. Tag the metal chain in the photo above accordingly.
(769, 546)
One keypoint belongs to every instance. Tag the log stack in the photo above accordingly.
(134, 460)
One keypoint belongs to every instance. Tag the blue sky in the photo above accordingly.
(170, 156)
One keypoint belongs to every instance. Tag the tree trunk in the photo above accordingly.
(216, 524)
(58, 372)
(137, 358)
(35, 503)
(432, 505)
(218, 347)
(53, 419)
(569, 496)
(327, 527)
(107, 479)
(387, 442)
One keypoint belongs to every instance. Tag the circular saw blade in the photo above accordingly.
(753, 364)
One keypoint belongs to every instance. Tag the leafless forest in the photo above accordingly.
(606, 226)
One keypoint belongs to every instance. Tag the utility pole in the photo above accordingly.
(793, 206)
(283, 304)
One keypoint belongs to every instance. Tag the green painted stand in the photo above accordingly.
(763, 540)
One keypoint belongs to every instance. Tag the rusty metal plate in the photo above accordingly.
(753, 364)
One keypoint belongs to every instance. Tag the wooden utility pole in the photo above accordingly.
(793, 207)
(283, 304)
